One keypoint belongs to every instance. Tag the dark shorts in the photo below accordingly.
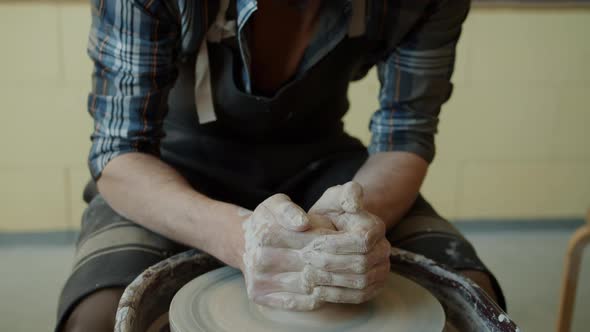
(111, 250)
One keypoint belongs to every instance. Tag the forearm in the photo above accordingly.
(148, 191)
(391, 182)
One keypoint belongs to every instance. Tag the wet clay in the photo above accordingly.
(336, 253)
(467, 308)
(217, 301)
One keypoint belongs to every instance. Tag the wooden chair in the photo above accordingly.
(577, 243)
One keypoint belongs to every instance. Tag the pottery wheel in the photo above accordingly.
(217, 302)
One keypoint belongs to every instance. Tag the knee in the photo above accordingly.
(95, 313)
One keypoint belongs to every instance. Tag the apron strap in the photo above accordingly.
(222, 28)
(219, 30)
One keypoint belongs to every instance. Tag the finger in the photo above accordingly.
(348, 263)
(289, 301)
(377, 274)
(342, 198)
(290, 282)
(334, 263)
(276, 260)
(342, 244)
(359, 239)
(347, 295)
(319, 222)
(277, 236)
(345, 243)
(286, 213)
(263, 229)
(351, 197)
(360, 222)
(271, 259)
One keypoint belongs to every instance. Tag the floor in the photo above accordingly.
(527, 263)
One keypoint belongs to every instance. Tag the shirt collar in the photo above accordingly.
(245, 9)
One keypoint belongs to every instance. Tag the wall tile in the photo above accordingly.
(497, 121)
(525, 189)
(441, 187)
(30, 50)
(75, 25)
(572, 123)
(462, 72)
(538, 47)
(47, 125)
(32, 198)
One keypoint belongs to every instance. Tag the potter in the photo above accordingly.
(205, 110)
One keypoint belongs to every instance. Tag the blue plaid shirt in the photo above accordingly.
(135, 45)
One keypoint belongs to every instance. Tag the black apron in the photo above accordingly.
(259, 145)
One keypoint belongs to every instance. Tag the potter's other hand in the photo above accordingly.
(360, 235)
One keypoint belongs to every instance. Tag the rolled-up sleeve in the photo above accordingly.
(133, 45)
(415, 82)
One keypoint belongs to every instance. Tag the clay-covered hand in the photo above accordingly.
(287, 264)
(360, 235)
(277, 265)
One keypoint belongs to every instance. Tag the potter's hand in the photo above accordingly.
(277, 265)
(361, 234)
(285, 267)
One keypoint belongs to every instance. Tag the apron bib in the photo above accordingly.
(258, 144)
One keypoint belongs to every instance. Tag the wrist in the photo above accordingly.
(389, 208)
(220, 233)
(238, 244)
(232, 239)
(391, 182)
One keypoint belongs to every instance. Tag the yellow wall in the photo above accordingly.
(513, 142)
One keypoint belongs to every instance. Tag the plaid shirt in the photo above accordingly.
(135, 45)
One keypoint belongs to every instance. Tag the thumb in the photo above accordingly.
(286, 213)
(342, 198)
